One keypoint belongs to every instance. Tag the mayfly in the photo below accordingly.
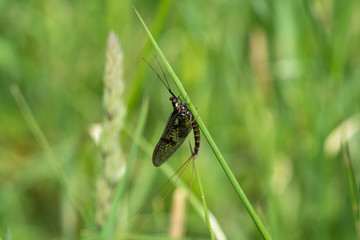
(177, 128)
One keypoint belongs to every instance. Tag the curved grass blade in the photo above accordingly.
(352, 185)
(208, 137)
(109, 228)
(206, 211)
(169, 172)
(44, 144)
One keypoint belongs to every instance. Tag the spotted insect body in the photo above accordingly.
(178, 127)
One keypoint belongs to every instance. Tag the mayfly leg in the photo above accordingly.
(181, 170)
(191, 184)
(184, 165)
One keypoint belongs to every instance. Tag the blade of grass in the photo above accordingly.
(169, 172)
(8, 234)
(109, 229)
(159, 22)
(46, 148)
(353, 188)
(208, 137)
(206, 211)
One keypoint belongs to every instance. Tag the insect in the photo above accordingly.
(177, 127)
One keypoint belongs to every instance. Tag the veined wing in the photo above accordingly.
(175, 132)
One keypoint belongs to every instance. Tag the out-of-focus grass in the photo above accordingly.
(271, 81)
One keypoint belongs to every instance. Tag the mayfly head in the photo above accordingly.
(175, 102)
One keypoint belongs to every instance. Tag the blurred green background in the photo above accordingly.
(270, 79)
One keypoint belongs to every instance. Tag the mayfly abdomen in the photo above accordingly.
(197, 137)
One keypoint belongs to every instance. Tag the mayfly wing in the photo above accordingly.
(175, 132)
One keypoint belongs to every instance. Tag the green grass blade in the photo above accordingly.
(206, 211)
(169, 172)
(109, 229)
(159, 22)
(353, 188)
(208, 137)
(45, 146)
(8, 234)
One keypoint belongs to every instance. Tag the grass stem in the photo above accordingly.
(208, 137)
(206, 211)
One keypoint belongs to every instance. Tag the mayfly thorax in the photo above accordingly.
(177, 128)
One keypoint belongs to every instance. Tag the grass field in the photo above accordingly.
(277, 84)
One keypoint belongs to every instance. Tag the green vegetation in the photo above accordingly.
(275, 83)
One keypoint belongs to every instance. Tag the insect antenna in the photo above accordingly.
(158, 62)
(166, 83)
